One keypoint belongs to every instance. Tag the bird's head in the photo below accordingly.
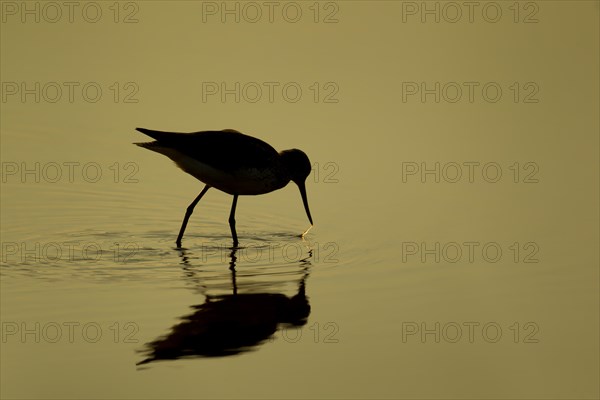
(298, 166)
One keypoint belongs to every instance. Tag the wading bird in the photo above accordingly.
(232, 162)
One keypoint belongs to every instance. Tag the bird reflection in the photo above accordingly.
(233, 323)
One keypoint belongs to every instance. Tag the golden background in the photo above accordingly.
(378, 83)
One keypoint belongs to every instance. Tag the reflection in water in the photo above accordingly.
(232, 323)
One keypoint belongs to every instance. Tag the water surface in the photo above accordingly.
(455, 247)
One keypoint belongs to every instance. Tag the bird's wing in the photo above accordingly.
(227, 150)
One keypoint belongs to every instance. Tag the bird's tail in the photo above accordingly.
(147, 145)
(158, 135)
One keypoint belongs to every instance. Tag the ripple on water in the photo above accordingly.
(262, 262)
(108, 236)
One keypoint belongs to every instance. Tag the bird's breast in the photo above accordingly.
(242, 180)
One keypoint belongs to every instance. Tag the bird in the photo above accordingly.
(232, 162)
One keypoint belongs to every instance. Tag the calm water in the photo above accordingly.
(455, 247)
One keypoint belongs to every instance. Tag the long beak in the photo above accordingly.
(305, 200)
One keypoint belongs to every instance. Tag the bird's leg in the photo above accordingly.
(188, 213)
(232, 220)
